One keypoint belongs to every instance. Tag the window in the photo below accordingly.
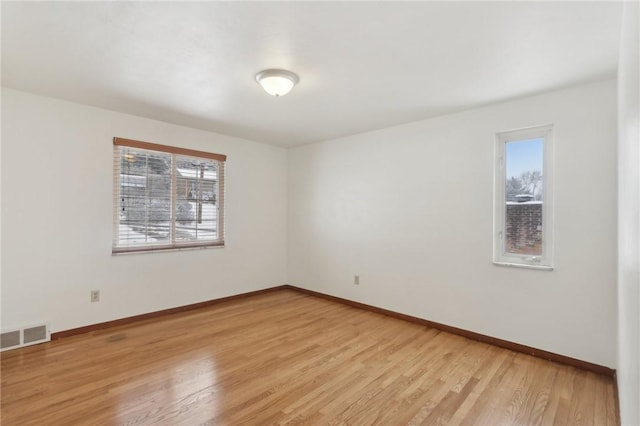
(523, 199)
(166, 197)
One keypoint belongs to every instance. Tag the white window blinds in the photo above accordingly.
(166, 197)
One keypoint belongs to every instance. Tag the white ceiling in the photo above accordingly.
(362, 65)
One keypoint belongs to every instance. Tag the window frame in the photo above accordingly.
(500, 256)
(173, 151)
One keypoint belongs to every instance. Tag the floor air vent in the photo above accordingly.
(19, 337)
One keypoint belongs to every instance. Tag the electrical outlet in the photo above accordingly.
(95, 296)
(356, 279)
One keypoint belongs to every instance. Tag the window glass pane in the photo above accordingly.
(166, 198)
(196, 199)
(145, 197)
(524, 197)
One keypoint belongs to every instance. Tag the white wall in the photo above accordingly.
(57, 218)
(629, 217)
(409, 209)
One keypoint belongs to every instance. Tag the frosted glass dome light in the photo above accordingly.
(277, 82)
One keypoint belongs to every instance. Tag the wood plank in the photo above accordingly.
(284, 357)
(517, 347)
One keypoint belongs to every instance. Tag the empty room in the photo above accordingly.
(323, 212)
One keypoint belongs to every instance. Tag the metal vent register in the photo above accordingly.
(25, 336)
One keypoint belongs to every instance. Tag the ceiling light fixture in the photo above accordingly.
(277, 82)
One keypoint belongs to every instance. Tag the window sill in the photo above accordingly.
(166, 249)
(524, 265)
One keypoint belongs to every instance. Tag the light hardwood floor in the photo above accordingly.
(289, 358)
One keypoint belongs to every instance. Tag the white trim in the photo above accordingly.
(524, 265)
(168, 249)
(500, 257)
